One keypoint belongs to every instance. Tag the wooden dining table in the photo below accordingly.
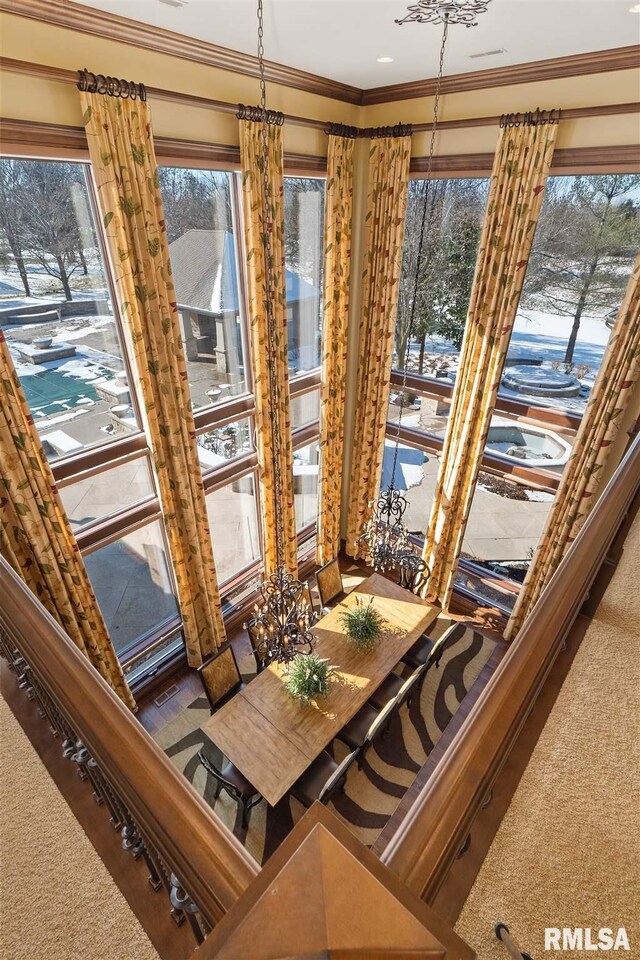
(272, 738)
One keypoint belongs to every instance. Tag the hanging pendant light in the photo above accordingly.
(283, 617)
(385, 540)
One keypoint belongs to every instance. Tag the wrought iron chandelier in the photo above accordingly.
(283, 618)
(385, 539)
(446, 11)
(282, 622)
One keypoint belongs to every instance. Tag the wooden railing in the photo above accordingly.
(159, 815)
(439, 823)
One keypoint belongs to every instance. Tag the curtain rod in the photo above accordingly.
(532, 118)
(59, 74)
(110, 86)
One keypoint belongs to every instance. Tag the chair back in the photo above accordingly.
(220, 676)
(306, 596)
(379, 721)
(218, 775)
(211, 768)
(258, 645)
(332, 783)
(451, 634)
(329, 580)
(413, 572)
(408, 685)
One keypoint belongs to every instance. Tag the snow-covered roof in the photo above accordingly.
(204, 272)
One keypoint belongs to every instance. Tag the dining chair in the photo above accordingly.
(321, 780)
(413, 572)
(306, 595)
(367, 725)
(425, 649)
(259, 646)
(220, 677)
(229, 779)
(395, 689)
(330, 586)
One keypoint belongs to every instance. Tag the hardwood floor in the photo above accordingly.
(154, 711)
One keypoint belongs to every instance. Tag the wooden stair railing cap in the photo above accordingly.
(324, 894)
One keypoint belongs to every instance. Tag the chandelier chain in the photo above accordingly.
(269, 306)
(423, 224)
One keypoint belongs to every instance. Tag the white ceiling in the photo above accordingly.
(342, 39)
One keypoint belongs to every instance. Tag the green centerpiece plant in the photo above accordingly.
(363, 624)
(308, 677)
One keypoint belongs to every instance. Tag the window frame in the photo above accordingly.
(301, 378)
(434, 388)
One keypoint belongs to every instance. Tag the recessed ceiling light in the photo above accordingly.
(486, 53)
(635, 9)
(385, 59)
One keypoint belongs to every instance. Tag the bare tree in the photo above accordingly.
(304, 226)
(587, 233)
(455, 210)
(48, 219)
(194, 200)
(11, 186)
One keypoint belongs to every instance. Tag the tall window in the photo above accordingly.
(303, 235)
(584, 248)
(304, 255)
(585, 245)
(233, 517)
(64, 335)
(132, 581)
(455, 211)
(56, 309)
(198, 208)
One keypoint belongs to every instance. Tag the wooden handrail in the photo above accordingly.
(192, 841)
(426, 844)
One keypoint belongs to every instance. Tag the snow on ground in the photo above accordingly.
(93, 325)
(409, 470)
(42, 283)
(538, 333)
(540, 336)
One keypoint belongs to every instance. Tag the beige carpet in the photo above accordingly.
(58, 900)
(566, 854)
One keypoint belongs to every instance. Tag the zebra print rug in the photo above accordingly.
(390, 766)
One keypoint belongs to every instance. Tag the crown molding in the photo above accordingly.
(624, 158)
(75, 16)
(98, 23)
(601, 61)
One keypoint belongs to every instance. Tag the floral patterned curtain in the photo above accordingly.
(520, 170)
(125, 170)
(36, 537)
(337, 277)
(618, 375)
(267, 405)
(386, 208)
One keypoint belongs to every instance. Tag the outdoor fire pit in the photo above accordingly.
(541, 381)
